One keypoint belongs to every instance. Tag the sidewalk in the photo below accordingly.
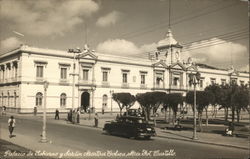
(205, 138)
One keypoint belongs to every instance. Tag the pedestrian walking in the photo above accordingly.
(57, 114)
(35, 111)
(96, 119)
(11, 123)
(74, 116)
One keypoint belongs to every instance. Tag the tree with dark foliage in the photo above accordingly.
(124, 100)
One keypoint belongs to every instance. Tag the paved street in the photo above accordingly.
(64, 137)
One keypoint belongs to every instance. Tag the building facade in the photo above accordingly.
(87, 79)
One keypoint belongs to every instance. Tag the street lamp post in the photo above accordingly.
(194, 79)
(74, 74)
(44, 139)
(111, 104)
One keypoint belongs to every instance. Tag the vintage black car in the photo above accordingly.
(130, 126)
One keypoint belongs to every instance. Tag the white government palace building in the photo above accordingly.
(29, 74)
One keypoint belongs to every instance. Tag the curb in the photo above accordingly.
(203, 142)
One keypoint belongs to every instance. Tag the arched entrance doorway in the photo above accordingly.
(85, 101)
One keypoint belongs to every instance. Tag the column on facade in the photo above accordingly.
(92, 98)
(163, 82)
(181, 80)
(154, 79)
(93, 74)
(13, 70)
(5, 72)
(79, 98)
(170, 79)
(16, 70)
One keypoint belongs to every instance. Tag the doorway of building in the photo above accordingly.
(85, 101)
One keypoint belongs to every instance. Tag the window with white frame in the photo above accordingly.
(143, 78)
(176, 81)
(63, 98)
(39, 99)
(85, 75)
(105, 76)
(64, 67)
(124, 77)
(159, 78)
(39, 71)
(223, 82)
(40, 65)
(212, 81)
(63, 74)
(233, 81)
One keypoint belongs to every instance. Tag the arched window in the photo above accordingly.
(39, 99)
(104, 101)
(63, 98)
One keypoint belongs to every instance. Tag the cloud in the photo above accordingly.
(109, 19)
(43, 18)
(118, 47)
(216, 52)
(9, 44)
(123, 47)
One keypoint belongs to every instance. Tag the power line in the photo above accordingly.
(233, 39)
(225, 36)
(242, 31)
(155, 25)
(177, 22)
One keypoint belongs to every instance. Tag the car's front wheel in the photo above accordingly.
(147, 137)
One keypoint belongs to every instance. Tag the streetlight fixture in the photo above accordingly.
(77, 50)
(194, 79)
(111, 103)
(45, 85)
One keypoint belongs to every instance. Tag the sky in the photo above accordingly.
(213, 32)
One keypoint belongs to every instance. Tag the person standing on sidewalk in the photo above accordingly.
(78, 116)
(35, 111)
(96, 119)
(4, 110)
(11, 123)
(57, 114)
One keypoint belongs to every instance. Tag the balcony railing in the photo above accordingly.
(143, 86)
(177, 87)
(105, 84)
(125, 85)
(159, 86)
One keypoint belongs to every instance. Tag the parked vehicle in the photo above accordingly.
(130, 126)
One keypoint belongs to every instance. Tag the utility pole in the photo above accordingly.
(44, 139)
(194, 79)
(74, 51)
(111, 103)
